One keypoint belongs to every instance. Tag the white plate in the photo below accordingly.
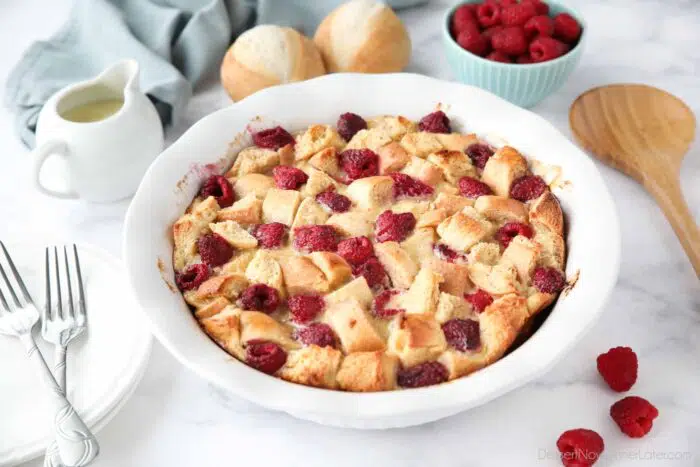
(593, 240)
(104, 364)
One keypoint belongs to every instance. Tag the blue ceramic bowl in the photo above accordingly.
(524, 85)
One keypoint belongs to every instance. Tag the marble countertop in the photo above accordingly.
(177, 419)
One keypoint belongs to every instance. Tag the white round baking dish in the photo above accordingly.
(174, 178)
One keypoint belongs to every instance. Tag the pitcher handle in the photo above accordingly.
(40, 155)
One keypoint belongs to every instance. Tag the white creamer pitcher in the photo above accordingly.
(104, 132)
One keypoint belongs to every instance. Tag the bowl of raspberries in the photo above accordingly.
(520, 50)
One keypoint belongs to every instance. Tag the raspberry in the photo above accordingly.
(464, 17)
(541, 25)
(379, 308)
(618, 367)
(260, 297)
(473, 188)
(319, 334)
(405, 185)
(527, 187)
(310, 238)
(462, 334)
(446, 253)
(349, 124)
(356, 250)
(334, 201)
(488, 33)
(510, 41)
(273, 138)
(265, 356)
(214, 249)
(540, 7)
(524, 59)
(518, 14)
(394, 227)
(548, 280)
(424, 374)
(488, 14)
(510, 230)
(498, 56)
(373, 272)
(566, 28)
(436, 122)
(304, 308)
(288, 178)
(220, 188)
(479, 300)
(192, 277)
(634, 415)
(479, 154)
(580, 447)
(359, 163)
(270, 235)
(472, 41)
(545, 48)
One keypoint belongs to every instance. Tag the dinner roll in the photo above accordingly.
(363, 36)
(267, 55)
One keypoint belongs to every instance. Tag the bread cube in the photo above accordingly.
(318, 182)
(485, 252)
(456, 141)
(301, 276)
(395, 127)
(522, 253)
(371, 139)
(356, 289)
(451, 204)
(392, 158)
(312, 366)
(424, 171)
(454, 164)
(422, 297)
(253, 160)
(352, 223)
(353, 327)
(234, 234)
(368, 372)
(257, 184)
(187, 230)
(502, 169)
(501, 209)
(334, 267)
(464, 229)
(452, 307)
(246, 211)
(315, 139)
(309, 213)
(546, 211)
(500, 279)
(455, 275)
(225, 329)
(280, 206)
(326, 160)
(264, 269)
(397, 263)
(420, 144)
(229, 286)
(419, 245)
(256, 325)
(371, 192)
(416, 339)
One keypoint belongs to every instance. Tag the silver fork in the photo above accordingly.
(59, 327)
(76, 443)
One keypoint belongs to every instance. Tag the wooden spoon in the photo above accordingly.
(644, 132)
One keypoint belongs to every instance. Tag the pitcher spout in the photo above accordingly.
(122, 76)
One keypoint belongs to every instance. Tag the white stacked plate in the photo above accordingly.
(105, 364)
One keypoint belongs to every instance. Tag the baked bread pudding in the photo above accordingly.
(374, 255)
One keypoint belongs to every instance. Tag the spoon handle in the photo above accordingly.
(667, 192)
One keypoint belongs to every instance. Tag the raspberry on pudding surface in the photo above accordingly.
(372, 261)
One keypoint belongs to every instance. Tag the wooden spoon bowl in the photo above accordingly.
(645, 133)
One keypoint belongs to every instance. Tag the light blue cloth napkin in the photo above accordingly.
(177, 43)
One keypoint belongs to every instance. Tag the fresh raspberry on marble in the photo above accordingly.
(464, 17)
(580, 447)
(391, 227)
(349, 124)
(309, 238)
(319, 334)
(405, 185)
(356, 250)
(462, 334)
(479, 154)
(305, 308)
(527, 187)
(273, 138)
(510, 41)
(334, 201)
(634, 415)
(510, 230)
(214, 249)
(541, 25)
(498, 56)
(479, 300)
(373, 272)
(265, 356)
(220, 188)
(548, 280)
(518, 14)
(192, 277)
(543, 49)
(488, 14)
(471, 40)
(618, 367)
(260, 297)
(488, 33)
(359, 163)
(270, 235)
(473, 188)
(379, 306)
(424, 374)
(436, 122)
(566, 28)
(288, 178)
